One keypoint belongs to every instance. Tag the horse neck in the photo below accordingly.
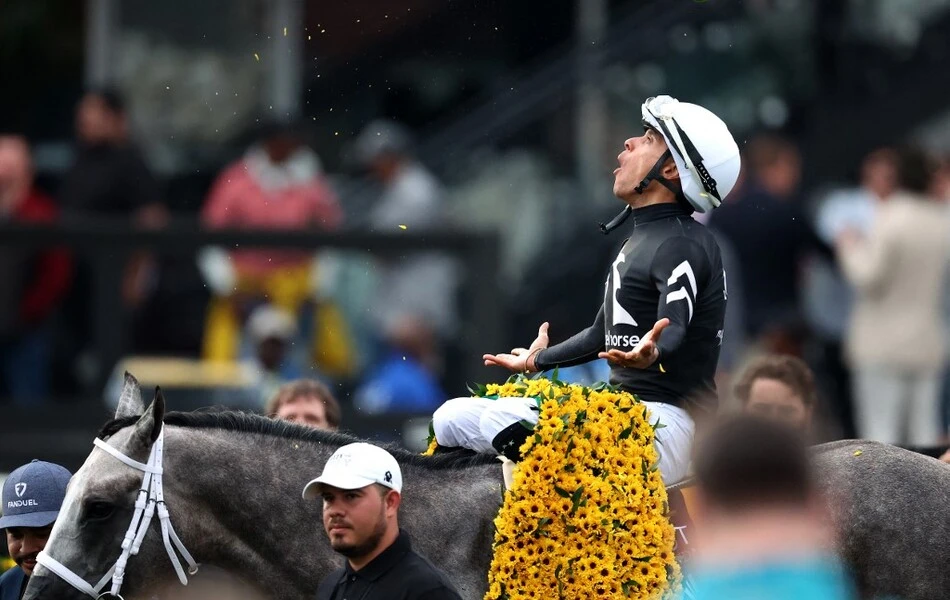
(243, 507)
(245, 512)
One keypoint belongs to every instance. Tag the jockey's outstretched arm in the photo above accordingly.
(580, 348)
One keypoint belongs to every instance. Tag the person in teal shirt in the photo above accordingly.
(760, 530)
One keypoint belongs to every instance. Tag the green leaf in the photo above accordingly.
(581, 417)
(570, 468)
(562, 399)
(539, 530)
(576, 499)
(527, 424)
(537, 438)
(562, 492)
(568, 528)
(431, 434)
(625, 433)
(628, 586)
(554, 378)
(618, 524)
(570, 446)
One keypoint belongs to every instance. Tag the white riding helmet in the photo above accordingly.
(705, 153)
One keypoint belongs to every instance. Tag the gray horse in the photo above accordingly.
(233, 487)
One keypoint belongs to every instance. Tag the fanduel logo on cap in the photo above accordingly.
(20, 489)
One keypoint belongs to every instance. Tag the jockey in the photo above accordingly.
(661, 323)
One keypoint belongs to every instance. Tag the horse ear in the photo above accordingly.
(130, 400)
(150, 425)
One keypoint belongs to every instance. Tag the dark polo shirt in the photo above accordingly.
(13, 584)
(397, 573)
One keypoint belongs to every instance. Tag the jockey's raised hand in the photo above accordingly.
(521, 360)
(643, 354)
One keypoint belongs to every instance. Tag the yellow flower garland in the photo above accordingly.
(587, 513)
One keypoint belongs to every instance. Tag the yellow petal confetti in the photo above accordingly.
(403, 227)
(256, 57)
(858, 452)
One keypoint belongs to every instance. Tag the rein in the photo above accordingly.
(151, 497)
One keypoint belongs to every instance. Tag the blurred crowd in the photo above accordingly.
(285, 314)
(851, 278)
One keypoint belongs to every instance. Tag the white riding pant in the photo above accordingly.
(474, 422)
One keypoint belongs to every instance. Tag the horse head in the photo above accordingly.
(100, 504)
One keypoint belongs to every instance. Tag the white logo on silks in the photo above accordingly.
(20, 489)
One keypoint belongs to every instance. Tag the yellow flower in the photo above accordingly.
(583, 519)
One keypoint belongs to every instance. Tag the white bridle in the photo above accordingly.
(151, 497)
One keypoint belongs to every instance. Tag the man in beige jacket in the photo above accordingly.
(896, 342)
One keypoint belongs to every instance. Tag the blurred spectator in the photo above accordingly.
(272, 331)
(420, 284)
(778, 388)
(109, 177)
(940, 188)
(34, 284)
(108, 180)
(760, 529)
(829, 297)
(278, 184)
(305, 401)
(770, 237)
(412, 196)
(404, 381)
(898, 270)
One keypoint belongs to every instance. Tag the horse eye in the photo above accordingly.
(99, 510)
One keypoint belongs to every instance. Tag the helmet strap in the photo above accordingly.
(654, 175)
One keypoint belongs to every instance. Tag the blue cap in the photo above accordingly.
(33, 495)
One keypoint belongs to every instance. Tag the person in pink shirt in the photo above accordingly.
(279, 183)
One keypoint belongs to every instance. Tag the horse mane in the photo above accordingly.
(252, 423)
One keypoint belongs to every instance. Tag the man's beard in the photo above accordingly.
(369, 544)
(22, 558)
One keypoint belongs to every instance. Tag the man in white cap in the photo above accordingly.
(32, 497)
(361, 488)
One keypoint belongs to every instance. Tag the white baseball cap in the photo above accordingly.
(356, 466)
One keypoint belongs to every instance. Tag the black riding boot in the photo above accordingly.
(509, 441)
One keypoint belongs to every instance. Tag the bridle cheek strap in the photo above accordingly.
(151, 496)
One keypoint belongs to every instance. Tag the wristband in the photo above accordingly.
(527, 358)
